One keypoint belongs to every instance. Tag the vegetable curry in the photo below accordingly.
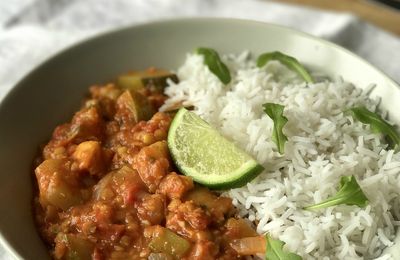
(107, 188)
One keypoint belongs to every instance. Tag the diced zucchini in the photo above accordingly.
(167, 242)
(134, 106)
(124, 181)
(153, 79)
(76, 247)
(130, 81)
(56, 186)
(62, 195)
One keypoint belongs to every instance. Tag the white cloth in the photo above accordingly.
(32, 30)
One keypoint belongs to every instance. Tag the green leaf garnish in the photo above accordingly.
(275, 112)
(378, 125)
(274, 250)
(214, 63)
(289, 61)
(350, 193)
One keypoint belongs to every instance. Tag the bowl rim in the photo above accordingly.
(8, 248)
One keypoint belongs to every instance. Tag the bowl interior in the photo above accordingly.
(50, 94)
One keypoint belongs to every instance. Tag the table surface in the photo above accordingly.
(379, 14)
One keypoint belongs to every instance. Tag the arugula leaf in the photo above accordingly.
(275, 251)
(349, 193)
(214, 63)
(289, 61)
(275, 112)
(378, 125)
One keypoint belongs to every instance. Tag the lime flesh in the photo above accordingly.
(199, 151)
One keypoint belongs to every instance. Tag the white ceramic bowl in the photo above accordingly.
(51, 93)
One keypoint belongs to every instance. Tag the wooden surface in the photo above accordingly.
(379, 14)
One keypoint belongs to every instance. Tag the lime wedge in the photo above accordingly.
(202, 153)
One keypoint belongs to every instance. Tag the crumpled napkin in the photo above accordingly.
(33, 30)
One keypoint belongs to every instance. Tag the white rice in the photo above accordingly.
(324, 144)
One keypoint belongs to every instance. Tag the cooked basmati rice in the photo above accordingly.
(324, 144)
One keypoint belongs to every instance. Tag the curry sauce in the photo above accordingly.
(108, 189)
